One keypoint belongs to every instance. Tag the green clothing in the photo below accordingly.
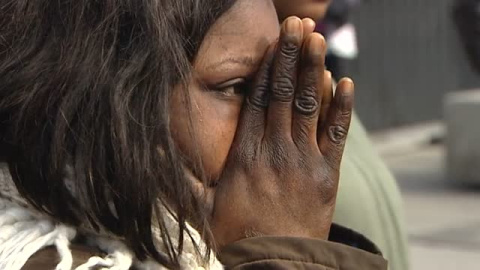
(369, 200)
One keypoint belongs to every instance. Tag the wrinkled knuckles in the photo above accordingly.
(337, 134)
(346, 113)
(306, 104)
(283, 89)
(289, 49)
(259, 100)
(262, 80)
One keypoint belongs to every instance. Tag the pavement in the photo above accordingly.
(443, 217)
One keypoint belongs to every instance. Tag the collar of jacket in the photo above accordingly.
(25, 230)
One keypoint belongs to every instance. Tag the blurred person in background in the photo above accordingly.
(466, 15)
(341, 36)
(369, 199)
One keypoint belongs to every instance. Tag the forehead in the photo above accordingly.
(245, 30)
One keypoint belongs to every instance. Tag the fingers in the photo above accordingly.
(284, 78)
(308, 96)
(334, 135)
(326, 100)
(308, 26)
(252, 121)
(201, 192)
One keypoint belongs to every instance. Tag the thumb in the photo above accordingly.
(202, 193)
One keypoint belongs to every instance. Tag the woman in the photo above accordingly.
(121, 121)
(369, 199)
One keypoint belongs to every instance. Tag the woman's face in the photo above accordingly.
(314, 9)
(228, 57)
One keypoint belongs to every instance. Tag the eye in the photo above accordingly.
(232, 88)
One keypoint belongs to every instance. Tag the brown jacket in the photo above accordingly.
(345, 250)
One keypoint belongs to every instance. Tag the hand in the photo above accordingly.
(282, 173)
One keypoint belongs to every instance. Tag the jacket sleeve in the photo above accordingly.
(349, 251)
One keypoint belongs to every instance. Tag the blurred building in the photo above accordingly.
(409, 59)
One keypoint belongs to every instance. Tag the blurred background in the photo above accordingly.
(416, 95)
(409, 57)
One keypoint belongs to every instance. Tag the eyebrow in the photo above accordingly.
(245, 61)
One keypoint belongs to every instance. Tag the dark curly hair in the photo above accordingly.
(85, 85)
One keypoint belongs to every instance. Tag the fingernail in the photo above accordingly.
(329, 74)
(328, 86)
(308, 21)
(293, 26)
(346, 103)
(349, 84)
(315, 47)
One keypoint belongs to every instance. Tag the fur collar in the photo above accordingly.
(24, 231)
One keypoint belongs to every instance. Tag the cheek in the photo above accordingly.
(214, 123)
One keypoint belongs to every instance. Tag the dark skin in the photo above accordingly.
(267, 161)
(272, 164)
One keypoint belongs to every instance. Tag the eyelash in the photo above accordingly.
(238, 87)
